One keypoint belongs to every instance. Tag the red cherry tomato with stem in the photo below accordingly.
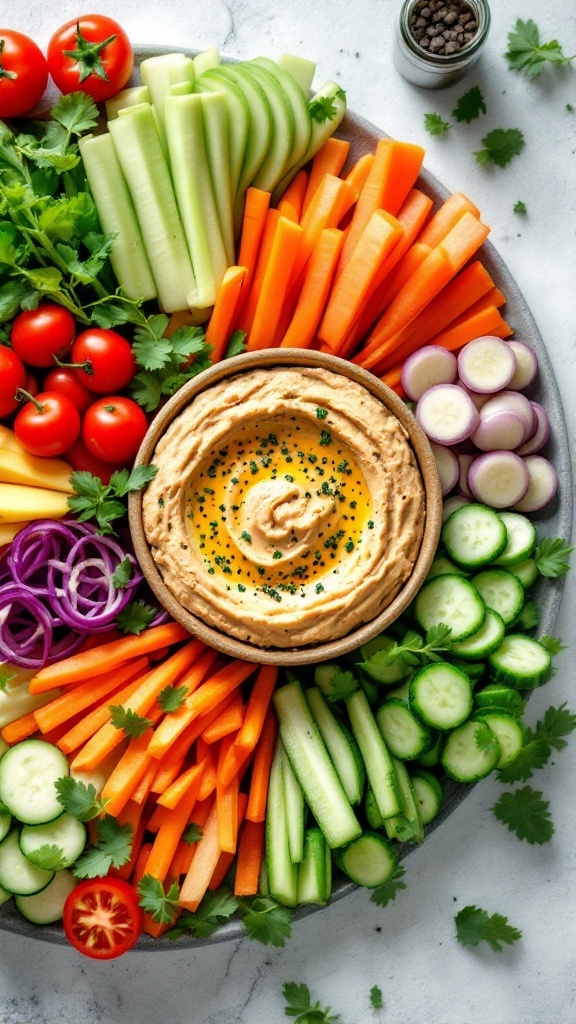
(81, 459)
(48, 424)
(23, 73)
(12, 377)
(66, 382)
(102, 918)
(114, 428)
(104, 360)
(91, 53)
(40, 334)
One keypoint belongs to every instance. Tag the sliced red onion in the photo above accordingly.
(541, 434)
(464, 463)
(446, 414)
(500, 430)
(486, 365)
(499, 479)
(512, 401)
(28, 646)
(428, 366)
(447, 465)
(542, 484)
(526, 366)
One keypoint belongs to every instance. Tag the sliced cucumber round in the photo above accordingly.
(431, 758)
(17, 874)
(509, 732)
(5, 824)
(521, 538)
(470, 752)
(442, 566)
(28, 773)
(501, 591)
(4, 895)
(441, 696)
(526, 571)
(500, 697)
(405, 735)
(47, 906)
(453, 602)
(473, 669)
(485, 641)
(369, 860)
(388, 675)
(66, 832)
(520, 662)
(428, 795)
(474, 535)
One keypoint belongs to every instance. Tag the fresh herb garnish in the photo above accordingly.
(474, 925)
(236, 344)
(79, 799)
(215, 908)
(527, 54)
(500, 145)
(526, 814)
(112, 849)
(49, 857)
(552, 557)
(436, 125)
(134, 725)
(172, 697)
(340, 684)
(266, 921)
(165, 362)
(552, 644)
(388, 891)
(135, 617)
(470, 105)
(95, 500)
(519, 207)
(123, 573)
(193, 834)
(376, 1001)
(299, 1005)
(548, 735)
(414, 650)
(162, 906)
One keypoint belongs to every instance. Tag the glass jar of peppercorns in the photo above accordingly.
(437, 41)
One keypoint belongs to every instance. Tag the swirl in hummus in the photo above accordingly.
(288, 507)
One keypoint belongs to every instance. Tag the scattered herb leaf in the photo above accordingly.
(79, 799)
(134, 725)
(474, 925)
(526, 814)
(500, 145)
(162, 906)
(552, 557)
(112, 849)
(388, 891)
(135, 617)
(436, 125)
(470, 105)
(527, 54)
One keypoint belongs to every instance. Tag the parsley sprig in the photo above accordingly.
(50, 857)
(414, 650)
(112, 849)
(474, 925)
(548, 735)
(94, 500)
(388, 891)
(526, 814)
(129, 721)
(161, 905)
(166, 363)
(214, 910)
(436, 125)
(299, 1005)
(78, 799)
(500, 146)
(527, 55)
(552, 557)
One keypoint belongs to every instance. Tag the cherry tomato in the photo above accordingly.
(40, 334)
(102, 918)
(48, 424)
(12, 377)
(104, 360)
(114, 428)
(31, 385)
(67, 382)
(23, 73)
(81, 459)
(91, 53)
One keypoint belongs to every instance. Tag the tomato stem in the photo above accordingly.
(87, 55)
(87, 366)
(3, 72)
(20, 393)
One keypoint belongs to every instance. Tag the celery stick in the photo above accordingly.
(301, 69)
(126, 98)
(206, 60)
(146, 171)
(333, 94)
(193, 187)
(217, 151)
(181, 89)
(155, 73)
(238, 113)
(182, 71)
(116, 212)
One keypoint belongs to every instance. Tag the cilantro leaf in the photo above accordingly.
(548, 735)
(376, 1001)
(77, 112)
(123, 573)
(531, 756)
(167, 363)
(413, 651)
(112, 849)
(527, 54)
(500, 145)
(134, 725)
(160, 905)
(526, 814)
(483, 736)
(187, 341)
(236, 344)
(49, 857)
(94, 500)
(557, 723)
(552, 557)
(145, 389)
(79, 799)
(299, 1005)
(266, 921)
(470, 105)
(123, 483)
(436, 125)
(193, 834)
(135, 617)
(322, 109)
(172, 697)
(388, 891)
(551, 644)
(215, 908)
(474, 925)
(519, 207)
(529, 616)
(152, 353)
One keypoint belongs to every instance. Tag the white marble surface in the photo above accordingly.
(408, 949)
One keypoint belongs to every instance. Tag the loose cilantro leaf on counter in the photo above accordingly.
(553, 557)
(172, 697)
(214, 909)
(527, 54)
(526, 814)
(123, 573)
(299, 1005)
(548, 735)
(160, 905)
(236, 344)
(193, 834)
(388, 891)
(470, 105)
(519, 207)
(135, 617)
(112, 849)
(94, 500)
(557, 723)
(266, 921)
(500, 145)
(124, 718)
(49, 857)
(376, 1001)
(436, 125)
(474, 925)
(532, 756)
(78, 799)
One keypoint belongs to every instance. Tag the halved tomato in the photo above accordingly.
(102, 918)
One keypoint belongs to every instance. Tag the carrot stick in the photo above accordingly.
(141, 862)
(144, 787)
(94, 720)
(256, 810)
(274, 284)
(291, 203)
(203, 865)
(198, 703)
(226, 859)
(209, 778)
(254, 719)
(358, 174)
(248, 308)
(466, 328)
(227, 804)
(96, 662)
(140, 703)
(158, 816)
(131, 814)
(393, 173)
(20, 729)
(99, 640)
(377, 241)
(315, 290)
(329, 204)
(174, 758)
(255, 211)
(385, 292)
(393, 377)
(83, 696)
(446, 218)
(120, 785)
(227, 299)
(330, 159)
(185, 851)
(171, 829)
(173, 794)
(249, 861)
(229, 721)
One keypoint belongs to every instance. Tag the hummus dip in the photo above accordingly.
(288, 508)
